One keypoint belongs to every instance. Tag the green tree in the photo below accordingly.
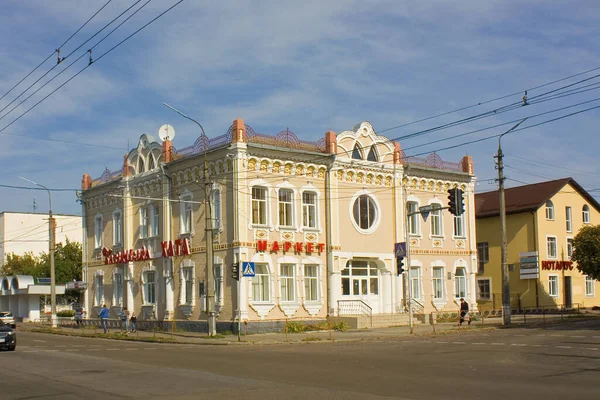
(67, 262)
(27, 264)
(586, 251)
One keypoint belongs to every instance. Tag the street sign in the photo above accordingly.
(44, 281)
(400, 249)
(425, 210)
(76, 285)
(248, 269)
(529, 265)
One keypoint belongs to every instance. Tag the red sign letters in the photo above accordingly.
(557, 265)
(298, 247)
(178, 247)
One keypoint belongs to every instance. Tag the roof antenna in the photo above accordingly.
(58, 55)
(525, 103)
(91, 60)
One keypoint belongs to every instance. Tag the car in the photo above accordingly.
(8, 318)
(8, 337)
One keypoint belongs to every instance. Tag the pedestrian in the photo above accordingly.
(132, 322)
(78, 315)
(103, 315)
(464, 312)
(124, 316)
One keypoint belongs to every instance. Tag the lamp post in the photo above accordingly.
(51, 246)
(504, 252)
(210, 295)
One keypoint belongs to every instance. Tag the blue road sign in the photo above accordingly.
(248, 269)
(400, 249)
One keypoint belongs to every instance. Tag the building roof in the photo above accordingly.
(525, 198)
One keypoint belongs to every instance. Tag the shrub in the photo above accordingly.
(341, 326)
(67, 313)
(295, 327)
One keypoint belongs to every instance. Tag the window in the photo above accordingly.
(586, 214)
(218, 274)
(311, 283)
(360, 278)
(551, 246)
(549, 210)
(117, 227)
(286, 282)
(357, 152)
(413, 220)
(484, 289)
(99, 298)
(553, 285)
(309, 209)
(438, 283)
(483, 256)
(415, 282)
(149, 282)
(459, 225)
(286, 206)
(364, 212)
(118, 288)
(216, 208)
(569, 220)
(436, 220)
(460, 283)
(589, 286)
(569, 248)
(372, 156)
(186, 214)
(98, 231)
(155, 221)
(188, 278)
(259, 205)
(261, 291)
(143, 223)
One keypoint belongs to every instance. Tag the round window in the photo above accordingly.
(364, 212)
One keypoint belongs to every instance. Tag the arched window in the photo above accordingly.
(365, 211)
(372, 156)
(357, 152)
(141, 167)
(586, 214)
(549, 210)
(460, 283)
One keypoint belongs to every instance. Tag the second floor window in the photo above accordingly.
(549, 210)
(413, 220)
(569, 220)
(551, 247)
(569, 248)
(364, 211)
(216, 208)
(436, 221)
(586, 214)
(155, 221)
(483, 256)
(117, 227)
(309, 209)
(286, 206)
(144, 222)
(98, 231)
(459, 225)
(259, 205)
(186, 215)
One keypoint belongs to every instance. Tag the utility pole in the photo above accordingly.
(407, 238)
(210, 273)
(504, 253)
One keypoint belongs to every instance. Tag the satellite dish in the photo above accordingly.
(166, 132)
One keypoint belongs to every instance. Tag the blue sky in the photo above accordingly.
(310, 66)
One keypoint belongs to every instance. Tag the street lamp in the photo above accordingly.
(212, 322)
(504, 252)
(51, 246)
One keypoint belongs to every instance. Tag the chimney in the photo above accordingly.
(238, 131)
(330, 142)
(86, 182)
(167, 151)
(467, 164)
(125, 170)
(397, 153)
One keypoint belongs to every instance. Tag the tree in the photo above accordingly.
(67, 262)
(586, 251)
(27, 264)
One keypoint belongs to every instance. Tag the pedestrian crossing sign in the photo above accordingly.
(248, 269)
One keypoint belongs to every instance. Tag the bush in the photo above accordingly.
(68, 313)
(295, 327)
(341, 326)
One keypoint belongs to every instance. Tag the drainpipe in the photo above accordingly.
(329, 236)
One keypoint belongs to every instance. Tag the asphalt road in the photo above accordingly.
(545, 363)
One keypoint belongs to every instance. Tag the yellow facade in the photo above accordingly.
(545, 230)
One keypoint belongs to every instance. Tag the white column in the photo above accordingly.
(128, 273)
(386, 293)
(169, 286)
(335, 286)
(399, 293)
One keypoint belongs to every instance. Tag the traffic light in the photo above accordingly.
(400, 265)
(452, 196)
(460, 202)
(235, 271)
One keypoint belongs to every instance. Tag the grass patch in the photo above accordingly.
(311, 339)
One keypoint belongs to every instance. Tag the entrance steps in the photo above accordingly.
(377, 320)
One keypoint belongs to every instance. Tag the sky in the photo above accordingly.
(308, 66)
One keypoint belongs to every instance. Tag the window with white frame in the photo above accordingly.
(549, 210)
(364, 211)
(155, 218)
(218, 274)
(585, 211)
(186, 214)
(483, 256)
(216, 208)
(188, 286)
(415, 282)
(551, 246)
(553, 285)
(413, 220)
(460, 283)
(311, 283)
(99, 295)
(149, 285)
(360, 278)
(309, 209)
(286, 207)
(569, 248)
(118, 287)
(117, 227)
(436, 220)
(261, 286)
(287, 277)
(438, 283)
(484, 289)
(589, 286)
(98, 231)
(259, 205)
(144, 222)
(459, 225)
(568, 215)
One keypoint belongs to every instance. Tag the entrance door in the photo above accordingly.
(568, 293)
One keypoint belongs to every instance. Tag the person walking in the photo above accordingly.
(132, 322)
(78, 315)
(464, 312)
(103, 315)
(124, 316)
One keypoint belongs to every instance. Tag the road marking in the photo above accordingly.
(112, 349)
(51, 351)
(78, 345)
(591, 348)
(521, 335)
(557, 335)
(93, 349)
(577, 336)
(458, 342)
(30, 351)
(519, 344)
(60, 345)
(498, 344)
(72, 350)
(477, 343)
(41, 341)
(536, 345)
(440, 341)
(131, 349)
(563, 347)
(149, 348)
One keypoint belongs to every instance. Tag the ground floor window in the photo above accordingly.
(438, 283)
(360, 278)
(460, 283)
(149, 285)
(553, 286)
(261, 289)
(311, 283)
(484, 289)
(218, 274)
(99, 298)
(188, 278)
(589, 286)
(287, 277)
(415, 282)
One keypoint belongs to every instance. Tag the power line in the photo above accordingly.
(533, 162)
(37, 188)
(64, 141)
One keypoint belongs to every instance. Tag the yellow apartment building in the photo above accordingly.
(541, 221)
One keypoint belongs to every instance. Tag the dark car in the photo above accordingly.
(8, 337)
